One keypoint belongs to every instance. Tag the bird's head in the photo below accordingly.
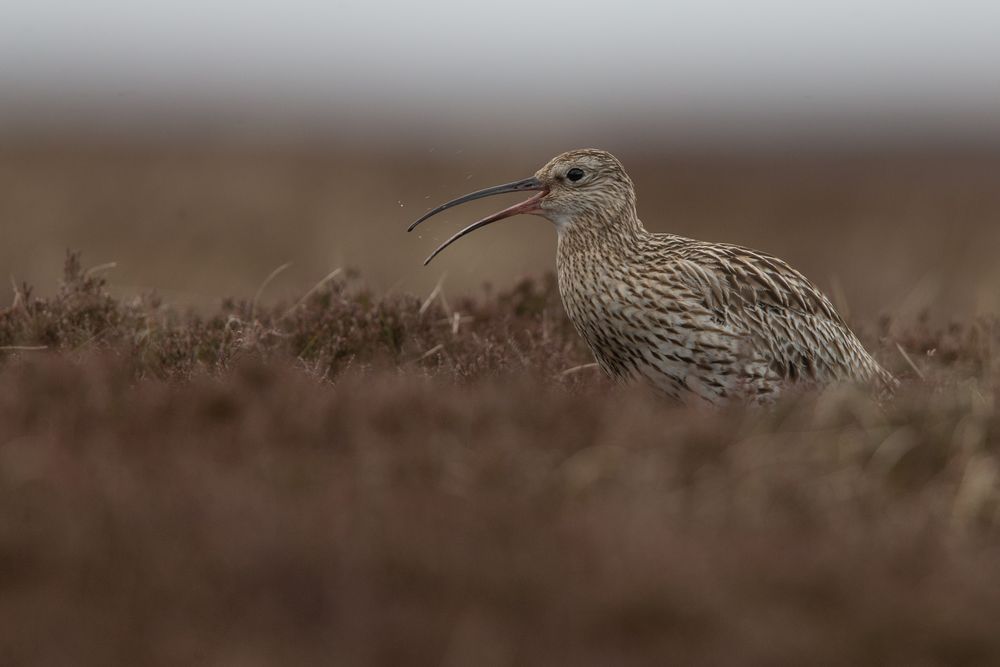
(586, 184)
(580, 187)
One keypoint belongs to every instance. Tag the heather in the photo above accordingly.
(359, 477)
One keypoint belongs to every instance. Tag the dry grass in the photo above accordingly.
(360, 480)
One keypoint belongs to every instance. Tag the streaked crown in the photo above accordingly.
(586, 185)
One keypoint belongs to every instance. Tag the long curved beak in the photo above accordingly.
(528, 206)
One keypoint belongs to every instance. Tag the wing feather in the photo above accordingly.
(790, 322)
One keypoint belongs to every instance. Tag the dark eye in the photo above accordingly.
(574, 174)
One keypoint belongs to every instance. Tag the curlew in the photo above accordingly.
(715, 321)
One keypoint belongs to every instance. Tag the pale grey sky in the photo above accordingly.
(544, 66)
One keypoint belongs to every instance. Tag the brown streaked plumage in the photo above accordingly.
(695, 319)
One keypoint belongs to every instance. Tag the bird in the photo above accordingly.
(699, 321)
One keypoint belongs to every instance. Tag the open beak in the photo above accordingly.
(529, 206)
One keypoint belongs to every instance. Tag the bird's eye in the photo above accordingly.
(574, 174)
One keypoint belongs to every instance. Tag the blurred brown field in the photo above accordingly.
(889, 232)
(366, 477)
(357, 480)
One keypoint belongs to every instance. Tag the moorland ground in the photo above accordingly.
(882, 233)
(354, 472)
(356, 478)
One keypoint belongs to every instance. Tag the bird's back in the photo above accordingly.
(714, 320)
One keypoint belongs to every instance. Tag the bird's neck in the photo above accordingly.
(596, 235)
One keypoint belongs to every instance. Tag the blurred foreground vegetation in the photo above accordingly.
(355, 478)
